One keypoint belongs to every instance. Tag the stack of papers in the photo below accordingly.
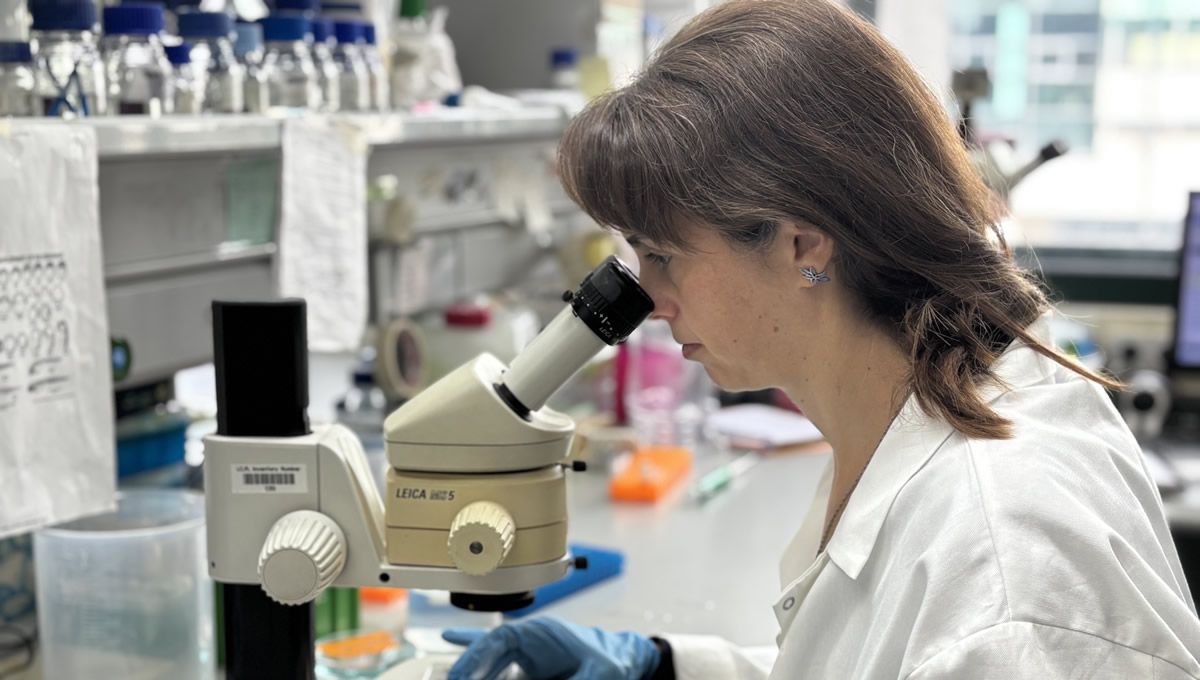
(758, 426)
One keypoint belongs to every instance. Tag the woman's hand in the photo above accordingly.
(546, 647)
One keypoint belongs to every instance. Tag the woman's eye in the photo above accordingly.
(660, 261)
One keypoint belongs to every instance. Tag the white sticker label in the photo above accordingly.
(251, 478)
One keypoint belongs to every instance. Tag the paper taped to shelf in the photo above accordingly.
(57, 454)
(323, 229)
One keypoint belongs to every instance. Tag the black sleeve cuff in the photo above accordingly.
(666, 661)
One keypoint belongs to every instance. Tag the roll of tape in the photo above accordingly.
(400, 359)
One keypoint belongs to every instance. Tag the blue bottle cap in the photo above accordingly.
(285, 27)
(179, 55)
(134, 18)
(15, 53)
(322, 29)
(63, 15)
(247, 38)
(205, 25)
(369, 33)
(348, 32)
(564, 56)
(297, 5)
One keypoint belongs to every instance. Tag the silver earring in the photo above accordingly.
(813, 275)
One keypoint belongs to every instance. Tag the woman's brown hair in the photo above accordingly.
(764, 111)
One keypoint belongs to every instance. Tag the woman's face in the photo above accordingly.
(735, 312)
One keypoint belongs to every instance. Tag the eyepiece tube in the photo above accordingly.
(608, 306)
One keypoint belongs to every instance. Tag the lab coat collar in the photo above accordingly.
(909, 443)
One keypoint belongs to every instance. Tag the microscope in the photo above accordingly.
(476, 488)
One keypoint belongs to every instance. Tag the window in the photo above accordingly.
(1119, 81)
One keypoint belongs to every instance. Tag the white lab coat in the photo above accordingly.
(1043, 556)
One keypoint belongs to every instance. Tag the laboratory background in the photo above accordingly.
(227, 225)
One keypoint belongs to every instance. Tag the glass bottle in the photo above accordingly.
(214, 61)
(69, 71)
(327, 68)
(354, 79)
(248, 49)
(381, 98)
(138, 73)
(189, 91)
(18, 94)
(292, 80)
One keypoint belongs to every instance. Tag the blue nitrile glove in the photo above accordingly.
(546, 647)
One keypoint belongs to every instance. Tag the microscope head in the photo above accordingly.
(476, 480)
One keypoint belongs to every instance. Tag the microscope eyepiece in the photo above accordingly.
(608, 306)
(611, 301)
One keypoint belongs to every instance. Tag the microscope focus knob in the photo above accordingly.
(304, 552)
(481, 537)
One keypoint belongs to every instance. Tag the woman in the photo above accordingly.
(806, 218)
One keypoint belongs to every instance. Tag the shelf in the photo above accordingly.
(135, 136)
(132, 137)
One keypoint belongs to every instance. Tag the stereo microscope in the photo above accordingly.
(476, 491)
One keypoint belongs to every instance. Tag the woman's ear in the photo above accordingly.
(810, 248)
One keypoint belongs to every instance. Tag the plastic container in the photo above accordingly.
(18, 81)
(327, 68)
(214, 60)
(248, 50)
(383, 609)
(465, 331)
(354, 78)
(361, 653)
(381, 96)
(150, 441)
(127, 594)
(292, 79)
(667, 398)
(70, 72)
(139, 75)
(189, 91)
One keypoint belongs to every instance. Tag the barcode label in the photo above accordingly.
(268, 478)
(253, 478)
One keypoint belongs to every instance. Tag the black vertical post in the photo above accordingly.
(261, 357)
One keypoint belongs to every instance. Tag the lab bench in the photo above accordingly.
(689, 568)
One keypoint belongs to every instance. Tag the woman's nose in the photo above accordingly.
(664, 307)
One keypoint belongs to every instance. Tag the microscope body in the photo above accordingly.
(476, 501)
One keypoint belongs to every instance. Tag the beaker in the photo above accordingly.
(126, 594)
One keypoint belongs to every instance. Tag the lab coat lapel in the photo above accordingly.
(913, 438)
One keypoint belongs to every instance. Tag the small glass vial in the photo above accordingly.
(323, 46)
(189, 90)
(248, 49)
(564, 68)
(381, 98)
(292, 80)
(354, 79)
(214, 60)
(18, 92)
(69, 71)
(139, 75)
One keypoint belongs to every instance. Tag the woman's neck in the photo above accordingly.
(852, 391)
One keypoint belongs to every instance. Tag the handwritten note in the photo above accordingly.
(323, 229)
(57, 454)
